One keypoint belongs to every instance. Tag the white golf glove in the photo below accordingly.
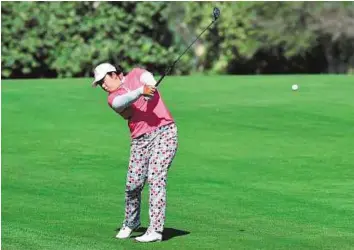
(148, 79)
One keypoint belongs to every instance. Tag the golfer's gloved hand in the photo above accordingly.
(149, 90)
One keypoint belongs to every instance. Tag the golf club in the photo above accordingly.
(216, 15)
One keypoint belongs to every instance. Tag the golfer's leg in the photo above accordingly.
(136, 176)
(159, 164)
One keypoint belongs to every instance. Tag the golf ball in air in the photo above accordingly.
(295, 87)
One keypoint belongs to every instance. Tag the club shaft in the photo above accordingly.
(192, 44)
(174, 63)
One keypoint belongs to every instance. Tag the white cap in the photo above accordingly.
(101, 71)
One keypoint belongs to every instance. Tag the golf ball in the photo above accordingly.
(295, 87)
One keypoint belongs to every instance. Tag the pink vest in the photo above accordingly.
(146, 115)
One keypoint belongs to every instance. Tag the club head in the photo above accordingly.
(216, 13)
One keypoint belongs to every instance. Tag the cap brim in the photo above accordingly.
(94, 83)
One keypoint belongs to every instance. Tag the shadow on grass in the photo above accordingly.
(168, 233)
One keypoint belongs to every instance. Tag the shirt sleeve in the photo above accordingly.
(147, 78)
(120, 102)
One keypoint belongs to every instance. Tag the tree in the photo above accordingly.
(298, 27)
(68, 39)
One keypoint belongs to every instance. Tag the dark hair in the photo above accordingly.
(120, 69)
(111, 73)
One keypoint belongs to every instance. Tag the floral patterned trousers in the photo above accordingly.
(151, 156)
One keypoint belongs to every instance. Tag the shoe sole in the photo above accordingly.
(136, 241)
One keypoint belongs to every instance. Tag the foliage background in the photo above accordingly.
(67, 39)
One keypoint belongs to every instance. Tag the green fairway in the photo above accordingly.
(258, 167)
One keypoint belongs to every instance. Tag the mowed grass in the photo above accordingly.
(258, 167)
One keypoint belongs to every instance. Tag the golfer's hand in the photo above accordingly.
(149, 90)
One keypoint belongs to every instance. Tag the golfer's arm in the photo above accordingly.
(148, 78)
(120, 102)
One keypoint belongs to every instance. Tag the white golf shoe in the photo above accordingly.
(125, 232)
(149, 236)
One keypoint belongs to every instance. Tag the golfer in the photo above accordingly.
(153, 143)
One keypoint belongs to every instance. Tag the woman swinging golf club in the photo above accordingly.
(153, 143)
(154, 140)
